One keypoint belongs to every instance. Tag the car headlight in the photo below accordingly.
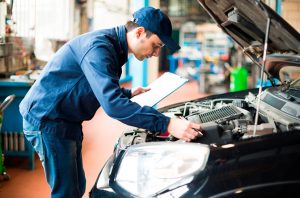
(147, 169)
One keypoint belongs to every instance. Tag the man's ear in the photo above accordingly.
(139, 31)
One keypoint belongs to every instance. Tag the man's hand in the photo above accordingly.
(184, 129)
(138, 90)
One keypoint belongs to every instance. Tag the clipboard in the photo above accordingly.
(160, 89)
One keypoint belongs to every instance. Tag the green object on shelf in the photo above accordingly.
(238, 79)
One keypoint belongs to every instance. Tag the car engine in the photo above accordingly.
(226, 120)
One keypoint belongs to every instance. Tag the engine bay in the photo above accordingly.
(230, 119)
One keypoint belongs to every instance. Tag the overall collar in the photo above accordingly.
(121, 34)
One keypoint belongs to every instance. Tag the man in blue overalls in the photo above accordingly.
(84, 75)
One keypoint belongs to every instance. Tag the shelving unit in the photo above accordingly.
(12, 119)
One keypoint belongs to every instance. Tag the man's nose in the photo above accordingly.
(156, 52)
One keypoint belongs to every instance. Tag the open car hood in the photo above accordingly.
(245, 21)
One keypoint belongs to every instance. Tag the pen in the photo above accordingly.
(198, 130)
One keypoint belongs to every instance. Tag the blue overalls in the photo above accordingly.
(82, 76)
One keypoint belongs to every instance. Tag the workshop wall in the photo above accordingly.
(291, 12)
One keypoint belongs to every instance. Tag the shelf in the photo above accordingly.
(12, 119)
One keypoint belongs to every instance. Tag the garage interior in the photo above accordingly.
(208, 59)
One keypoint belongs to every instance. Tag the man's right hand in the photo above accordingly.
(184, 129)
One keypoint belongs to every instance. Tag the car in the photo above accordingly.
(251, 139)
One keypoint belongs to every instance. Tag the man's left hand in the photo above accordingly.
(138, 90)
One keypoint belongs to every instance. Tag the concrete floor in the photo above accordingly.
(100, 134)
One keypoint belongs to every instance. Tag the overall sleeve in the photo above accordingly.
(100, 68)
(126, 92)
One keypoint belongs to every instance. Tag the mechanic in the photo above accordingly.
(84, 75)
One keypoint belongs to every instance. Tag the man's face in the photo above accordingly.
(146, 47)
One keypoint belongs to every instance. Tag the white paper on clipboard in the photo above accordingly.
(160, 88)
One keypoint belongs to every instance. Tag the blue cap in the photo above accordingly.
(158, 23)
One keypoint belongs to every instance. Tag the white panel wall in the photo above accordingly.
(110, 13)
(52, 19)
